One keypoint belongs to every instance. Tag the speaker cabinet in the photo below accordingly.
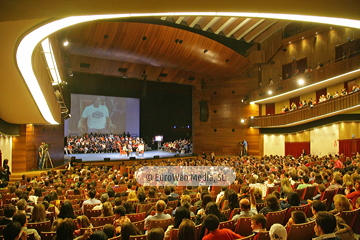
(204, 111)
(156, 156)
(78, 160)
(176, 155)
(106, 159)
(132, 158)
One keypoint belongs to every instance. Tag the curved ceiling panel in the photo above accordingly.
(154, 45)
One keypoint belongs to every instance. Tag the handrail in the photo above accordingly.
(299, 116)
(318, 75)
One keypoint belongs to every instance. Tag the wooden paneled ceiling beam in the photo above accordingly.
(209, 22)
(260, 29)
(249, 29)
(217, 28)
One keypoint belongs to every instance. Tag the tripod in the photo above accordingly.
(47, 157)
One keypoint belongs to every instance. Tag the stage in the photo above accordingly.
(96, 157)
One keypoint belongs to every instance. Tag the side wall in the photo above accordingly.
(5, 147)
(224, 130)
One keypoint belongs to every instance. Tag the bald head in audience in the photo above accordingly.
(160, 206)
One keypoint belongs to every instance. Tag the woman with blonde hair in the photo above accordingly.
(285, 187)
(341, 203)
(132, 196)
(107, 210)
(343, 231)
(346, 178)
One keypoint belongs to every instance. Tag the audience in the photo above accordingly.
(254, 177)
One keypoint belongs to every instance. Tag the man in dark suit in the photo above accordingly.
(9, 211)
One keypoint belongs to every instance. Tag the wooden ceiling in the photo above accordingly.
(165, 53)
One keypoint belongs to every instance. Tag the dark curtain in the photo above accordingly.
(321, 92)
(295, 148)
(349, 147)
(270, 108)
(348, 85)
(296, 100)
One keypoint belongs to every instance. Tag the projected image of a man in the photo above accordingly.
(98, 120)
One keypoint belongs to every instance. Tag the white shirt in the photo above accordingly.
(96, 116)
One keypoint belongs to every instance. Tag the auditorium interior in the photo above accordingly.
(214, 72)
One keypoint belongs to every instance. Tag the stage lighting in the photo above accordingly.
(66, 42)
(301, 82)
(270, 92)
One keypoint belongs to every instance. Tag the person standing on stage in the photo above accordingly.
(41, 151)
(245, 145)
(7, 169)
(98, 119)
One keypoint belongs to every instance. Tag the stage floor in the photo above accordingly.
(94, 157)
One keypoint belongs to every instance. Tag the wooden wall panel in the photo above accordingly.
(298, 137)
(22, 149)
(319, 49)
(280, 105)
(347, 129)
(53, 135)
(224, 97)
(308, 96)
(333, 89)
(19, 151)
(263, 109)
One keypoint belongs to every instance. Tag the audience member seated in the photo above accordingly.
(91, 200)
(38, 214)
(258, 224)
(341, 203)
(316, 206)
(187, 230)
(21, 218)
(354, 195)
(120, 218)
(277, 232)
(160, 208)
(344, 231)
(67, 211)
(107, 210)
(292, 200)
(325, 225)
(82, 222)
(103, 199)
(180, 214)
(109, 231)
(12, 231)
(211, 223)
(248, 208)
(9, 211)
(128, 229)
(297, 217)
(272, 203)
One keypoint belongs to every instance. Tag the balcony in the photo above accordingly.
(328, 108)
(321, 78)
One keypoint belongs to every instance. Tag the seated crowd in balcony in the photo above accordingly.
(323, 98)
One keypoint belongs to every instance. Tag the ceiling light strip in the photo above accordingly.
(28, 43)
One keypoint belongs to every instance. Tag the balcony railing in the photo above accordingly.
(320, 110)
(332, 70)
